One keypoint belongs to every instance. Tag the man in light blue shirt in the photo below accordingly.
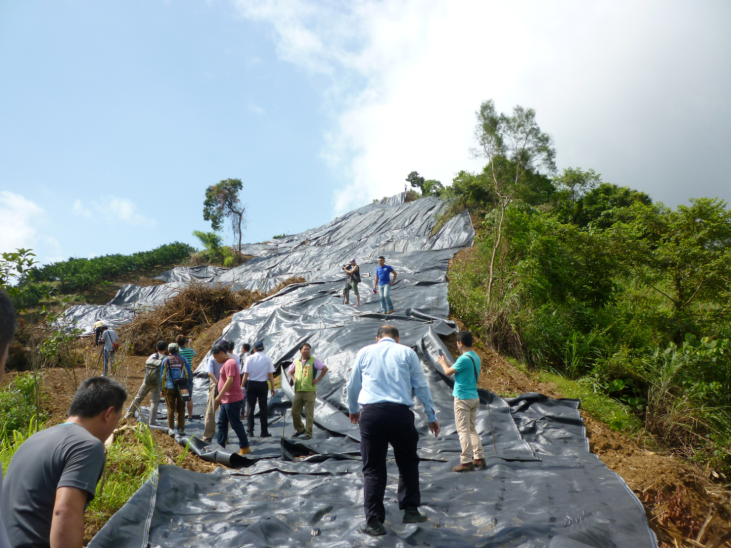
(382, 381)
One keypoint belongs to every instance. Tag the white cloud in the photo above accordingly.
(80, 210)
(625, 88)
(19, 218)
(112, 209)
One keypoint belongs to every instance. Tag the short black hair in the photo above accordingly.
(220, 347)
(308, 345)
(465, 337)
(246, 347)
(231, 346)
(95, 395)
(388, 331)
(162, 346)
(181, 340)
(382, 257)
(7, 322)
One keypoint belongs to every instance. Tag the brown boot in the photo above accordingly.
(466, 467)
(480, 463)
(244, 451)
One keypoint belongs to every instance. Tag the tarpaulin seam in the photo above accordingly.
(154, 479)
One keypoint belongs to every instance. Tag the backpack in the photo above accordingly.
(356, 276)
(152, 369)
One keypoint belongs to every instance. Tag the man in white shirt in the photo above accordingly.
(109, 338)
(258, 369)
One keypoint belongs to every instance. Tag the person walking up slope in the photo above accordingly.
(466, 371)
(380, 397)
(109, 339)
(150, 385)
(188, 353)
(383, 284)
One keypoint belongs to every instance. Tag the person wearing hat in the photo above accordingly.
(353, 272)
(258, 369)
(174, 367)
(98, 331)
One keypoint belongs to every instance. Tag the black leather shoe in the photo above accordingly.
(412, 515)
(266, 435)
(373, 527)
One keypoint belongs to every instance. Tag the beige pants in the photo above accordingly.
(465, 413)
(209, 429)
(306, 400)
(154, 392)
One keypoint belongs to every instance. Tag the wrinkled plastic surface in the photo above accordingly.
(541, 487)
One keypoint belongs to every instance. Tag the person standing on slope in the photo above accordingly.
(109, 339)
(230, 398)
(188, 353)
(150, 385)
(353, 272)
(303, 371)
(174, 367)
(380, 397)
(383, 284)
(258, 369)
(466, 371)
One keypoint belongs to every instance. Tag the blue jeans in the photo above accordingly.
(384, 291)
(108, 359)
(230, 413)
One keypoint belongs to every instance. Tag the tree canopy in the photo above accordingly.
(222, 203)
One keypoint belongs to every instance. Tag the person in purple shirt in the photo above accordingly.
(383, 284)
(304, 380)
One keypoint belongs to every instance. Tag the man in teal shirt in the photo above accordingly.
(466, 371)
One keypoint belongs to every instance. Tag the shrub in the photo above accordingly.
(18, 404)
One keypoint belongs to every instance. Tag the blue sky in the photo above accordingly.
(117, 115)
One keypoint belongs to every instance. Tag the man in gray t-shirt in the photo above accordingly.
(53, 475)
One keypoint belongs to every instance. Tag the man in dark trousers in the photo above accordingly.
(258, 369)
(382, 381)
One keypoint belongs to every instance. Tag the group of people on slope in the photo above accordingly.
(381, 285)
(168, 372)
(53, 475)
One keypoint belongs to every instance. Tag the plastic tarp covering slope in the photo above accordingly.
(541, 486)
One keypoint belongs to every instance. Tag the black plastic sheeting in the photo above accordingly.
(541, 487)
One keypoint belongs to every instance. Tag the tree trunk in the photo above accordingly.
(495, 247)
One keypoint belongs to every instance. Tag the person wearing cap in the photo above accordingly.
(353, 272)
(214, 371)
(174, 367)
(380, 395)
(188, 353)
(150, 385)
(98, 331)
(258, 369)
(302, 371)
(230, 398)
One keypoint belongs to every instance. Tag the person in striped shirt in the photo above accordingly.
(188, 353)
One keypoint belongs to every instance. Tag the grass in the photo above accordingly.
(600, 406)
(131, 459)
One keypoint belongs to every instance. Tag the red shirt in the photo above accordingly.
(234, 393)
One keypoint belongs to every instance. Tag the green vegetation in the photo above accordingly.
(427, 187)
(131, 459)
(279, 236)
(10, 441)
(77, 274)
(20, 405)
(214, 251)
(625, 300)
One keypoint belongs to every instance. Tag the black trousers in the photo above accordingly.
(257, 391)
(97, 333)
(381, 424)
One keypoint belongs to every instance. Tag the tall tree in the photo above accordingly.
(416, 181)
(516, 148)
(222, 202)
